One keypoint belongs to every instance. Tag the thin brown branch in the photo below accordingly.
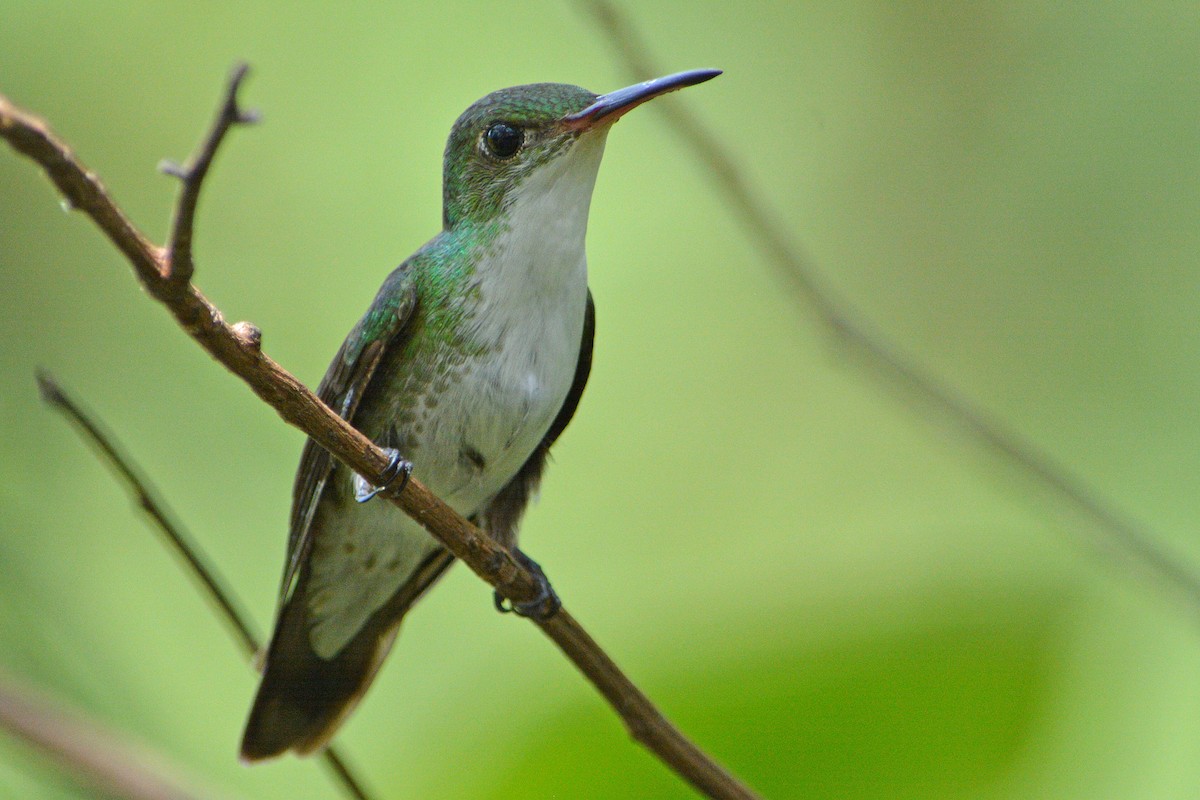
(215, 587)
(86, 750)
(879, 359)
(179, 246)
(242, 355)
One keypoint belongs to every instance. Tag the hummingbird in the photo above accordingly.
(466, 368)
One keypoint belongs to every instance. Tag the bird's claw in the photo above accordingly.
(542, 607)
(397, 468)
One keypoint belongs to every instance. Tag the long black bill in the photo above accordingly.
(609, 107)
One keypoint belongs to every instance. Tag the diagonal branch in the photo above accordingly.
(82, 189)
(238, 348)
(880, 359)
(216, 588)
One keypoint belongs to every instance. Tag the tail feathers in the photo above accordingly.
(303, 699)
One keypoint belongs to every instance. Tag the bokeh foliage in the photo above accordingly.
(833, 593)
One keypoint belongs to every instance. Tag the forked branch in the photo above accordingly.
(238, 348)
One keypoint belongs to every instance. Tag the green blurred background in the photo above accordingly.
(833, 593)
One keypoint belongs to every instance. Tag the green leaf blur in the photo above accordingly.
(833, 592)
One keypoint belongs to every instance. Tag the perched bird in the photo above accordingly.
(468, 364)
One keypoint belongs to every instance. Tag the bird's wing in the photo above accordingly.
(383, 326)
(501, 516)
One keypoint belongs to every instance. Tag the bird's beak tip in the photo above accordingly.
(612, 106)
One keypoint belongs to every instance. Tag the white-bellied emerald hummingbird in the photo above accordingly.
(468, 365)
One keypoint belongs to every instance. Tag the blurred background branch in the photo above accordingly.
(216, 589)
(882, 360)
(93, 754)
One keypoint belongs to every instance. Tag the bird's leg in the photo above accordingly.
(542, 607)
(397, 468)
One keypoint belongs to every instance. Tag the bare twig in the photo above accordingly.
(91, 753)
(879, 359)
(179, 247)
(216, 588)
(241, 354)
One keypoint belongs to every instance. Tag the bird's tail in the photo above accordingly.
(303, 698)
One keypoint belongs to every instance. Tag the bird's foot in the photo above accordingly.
(397, 468)
(542, 607)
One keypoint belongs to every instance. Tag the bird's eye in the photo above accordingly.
(503, 140)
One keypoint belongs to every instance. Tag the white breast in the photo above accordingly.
(533, 285)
